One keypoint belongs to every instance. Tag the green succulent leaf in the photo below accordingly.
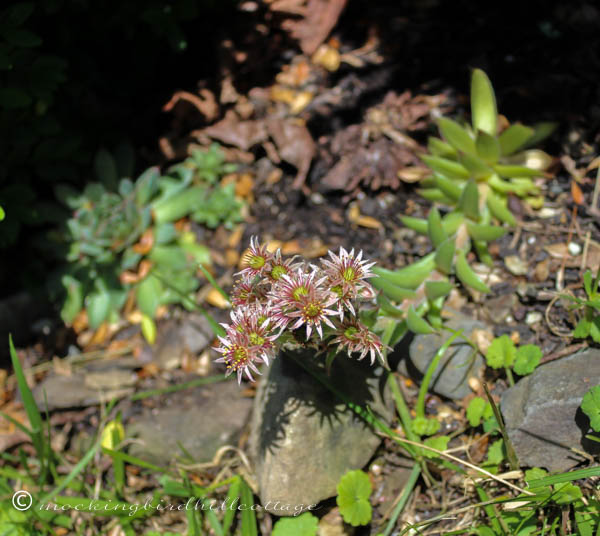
(417, 324)
(393, 291)
(457, 136)
(434, 195)
(478, 168)
(444, 256)
(486, 233)
(452, 221)
(510, 171)
(97, 307)
(540, 132)
(484, 113)
(146, 186)
(467, 276)
(514, 138)
(416, 224)
(354, 491)
(2, 214)
(468, 203)
(408, 277)
(148, 295)
(438, 147)
(590, 405)
(501, 352)
(445, 167)
(475, 411)
(488, 147)
(499, 209)
(483, 252)
(437, 289)
(448, 187)
(434, 227)
(527, 359)
(74, 300)
(305, 524)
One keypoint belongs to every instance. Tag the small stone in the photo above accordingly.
(534, 317)
(574, 248)
(542, 412)
(458, 364)
(202, 420)
(516, 265)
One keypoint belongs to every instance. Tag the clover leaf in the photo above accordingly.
(475, 411)
(501, 352)
(354, 490)
(566, 493)
(305, 524)
(591, 407)
(528, 357)
(438, 443)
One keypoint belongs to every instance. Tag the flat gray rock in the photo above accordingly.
(456, 367)
(302, 438)
(542, 414)
(60, 392)
(202, 420)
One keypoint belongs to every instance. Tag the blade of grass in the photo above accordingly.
(233, 494)
(214, 283)
(420, 409)
(180, 387)
(80, 466)
(408, 489)
(564, 477)
(115, 454)
(248, 523)
(33, 413)
(510, 451)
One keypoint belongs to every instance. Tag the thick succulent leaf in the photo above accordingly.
(467, 276)
(436, 289)
(540, 132)
(408, 277)
(510, 171)
(392, 291)
(457, 136)
(448, 168)
(486, 233)
(469, 201)
(514, 138)
(483, 252)
(146, 186)
(417, 324)
(434, 195)
(488, 148)
(97, 307)
(416, 224)
(434, 227)
(439, 147)
(148, 295)
(444, 256)
(448, 187)
(499, 208)
(452, 221)
(484, 113)
(477, 167)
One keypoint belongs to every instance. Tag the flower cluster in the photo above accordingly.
(274, 296)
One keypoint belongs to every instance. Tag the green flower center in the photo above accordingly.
(239, 355)
(256, 339)
(349, 274)
(278, 271)
(256, 262)
(312, 310)
(350, 333)
(300, 292)
(338, 290)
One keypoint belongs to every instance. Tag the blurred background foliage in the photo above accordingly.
(76, 76)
